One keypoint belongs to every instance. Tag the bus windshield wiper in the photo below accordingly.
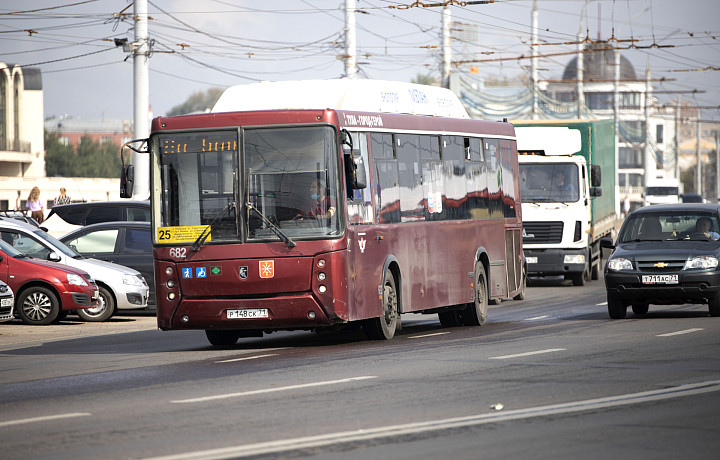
(205, 233)
(290, 243)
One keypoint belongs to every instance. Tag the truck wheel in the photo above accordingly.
(578, 279)
(104, 309)
(38, 306)
(714, 306)
(595, 273)
(384, 327)
(616, 309)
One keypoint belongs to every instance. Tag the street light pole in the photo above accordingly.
(141, 97)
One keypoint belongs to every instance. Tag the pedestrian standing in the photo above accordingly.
(35, 206)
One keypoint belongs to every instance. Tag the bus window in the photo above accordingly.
(360, 205)
(411, 191)
(494, 178)
(453, 155)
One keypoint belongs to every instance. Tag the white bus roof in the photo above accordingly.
(343, 94)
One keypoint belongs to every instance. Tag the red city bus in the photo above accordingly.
(301, 219)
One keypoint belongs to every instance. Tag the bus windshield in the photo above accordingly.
(288, 181)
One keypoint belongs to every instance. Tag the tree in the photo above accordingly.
(197, 102)
(89, 159)
(421, 79)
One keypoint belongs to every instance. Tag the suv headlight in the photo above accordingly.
(76, 280)
(132, 280)
(702, 262)
(619, 263)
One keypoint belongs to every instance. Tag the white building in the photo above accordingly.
(22, 150)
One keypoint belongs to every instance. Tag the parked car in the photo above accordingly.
(7, 302)
(18, 215)
(120, 287)
(68, 217)
(124, 243)
(665, 255)
(45, 291)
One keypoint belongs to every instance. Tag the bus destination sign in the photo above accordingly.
(198, 142)
(182, 234)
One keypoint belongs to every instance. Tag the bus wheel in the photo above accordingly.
(221, 338)
(384, 327)
(475, 314)
(523, 286)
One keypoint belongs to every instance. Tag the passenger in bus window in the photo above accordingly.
(322, 205)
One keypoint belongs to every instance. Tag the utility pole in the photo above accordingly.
(446, 48)
(141, 97)
(350, 40)
(534, 61)
(581, 73)
(698, 169)
(649, 158)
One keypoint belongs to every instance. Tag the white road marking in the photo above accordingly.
(686, 331)
(285, 445)
(601, 303)
(272, 390)
(44, 418)
(246, 358)
(427, 335)
(529, 353)
(537, 318)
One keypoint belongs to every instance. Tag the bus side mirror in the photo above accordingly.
(360, 181)
(595, 176)
(127, 177)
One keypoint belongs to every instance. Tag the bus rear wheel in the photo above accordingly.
(384, 327)
(221, 338)
(475, 314)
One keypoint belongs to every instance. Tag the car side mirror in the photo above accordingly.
(53, 257)
(607, 242)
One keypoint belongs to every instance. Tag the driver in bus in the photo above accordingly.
(322, 205)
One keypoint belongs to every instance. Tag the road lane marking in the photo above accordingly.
(529, 353)
(286, 445)
(44, 418)
(686, 331)
(272, 390)
(601, 303)
(427, 335)
(245, 358)
(537, 318)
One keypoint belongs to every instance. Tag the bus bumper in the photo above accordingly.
(283, 312)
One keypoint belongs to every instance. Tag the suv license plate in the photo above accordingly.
(660, 279)
(248, 313)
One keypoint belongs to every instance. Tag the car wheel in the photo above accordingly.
(38, 306)
(616, 309)
(640, 308)
(714, 306)
(221, 338)
(104, 309)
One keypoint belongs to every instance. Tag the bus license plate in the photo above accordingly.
(247, 313)
(660, 279)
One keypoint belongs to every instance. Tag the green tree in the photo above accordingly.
(197, 102)
(89, 159)
(421, 79)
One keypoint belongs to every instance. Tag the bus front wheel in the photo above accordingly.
(221, 338)
(384, 327)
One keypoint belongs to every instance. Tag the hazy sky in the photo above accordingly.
(200, 44)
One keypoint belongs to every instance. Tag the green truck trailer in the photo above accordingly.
(567, 173)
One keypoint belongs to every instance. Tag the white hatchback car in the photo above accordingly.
(120, 287)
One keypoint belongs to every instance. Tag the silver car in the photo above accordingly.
(120, 287)
(7, 302)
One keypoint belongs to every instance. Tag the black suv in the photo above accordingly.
(68, 217)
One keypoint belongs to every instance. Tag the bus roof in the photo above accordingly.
(343, 94)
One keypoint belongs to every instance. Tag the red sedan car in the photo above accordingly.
(44, 291)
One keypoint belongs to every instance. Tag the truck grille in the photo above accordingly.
(542, 232)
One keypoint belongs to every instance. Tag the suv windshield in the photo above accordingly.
(549, 182)
(288, 174)
(671, 226)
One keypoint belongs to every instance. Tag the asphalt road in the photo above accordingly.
(548, 377)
